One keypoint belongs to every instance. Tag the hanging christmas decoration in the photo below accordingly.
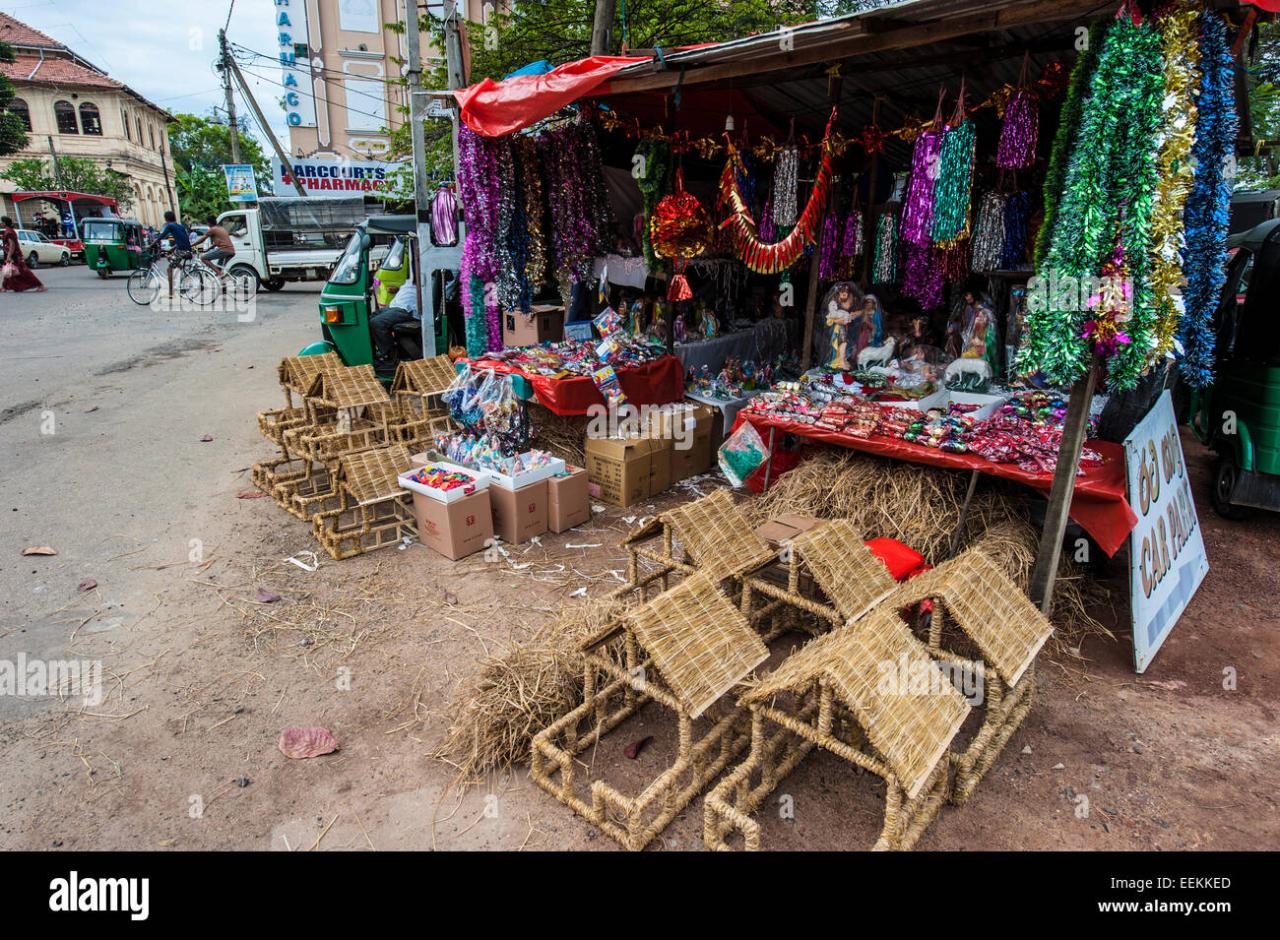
(444, 217)
(786, 182)
(917, 210)
(525, 150)
(679, 230)
(1068, 123)
(884, 264)
(509, 236)
(953, 189)
(1020, 130)
(1105, 332)
(1110, 181)
(768, 233)
(922, 275)
(1017, 209)
(478, 186)
(1207, 210)
(988, 232)
(830, 247)
(651, 169)
(956, 261)
(851, 246)
(575, 197)
(758, 255)
(1178, 27)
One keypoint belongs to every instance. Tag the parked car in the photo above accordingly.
(39, 250)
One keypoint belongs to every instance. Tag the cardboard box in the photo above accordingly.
(785, 527)
(697, 457)
(519, 515)
(567, 502)
(660, 467)
(544, 324)
(622, 468)
(456, 529)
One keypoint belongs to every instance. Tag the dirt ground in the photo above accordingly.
(201, 677)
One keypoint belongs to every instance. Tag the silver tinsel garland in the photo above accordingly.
(988, 233)
(786, 178)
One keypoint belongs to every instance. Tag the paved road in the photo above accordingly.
(102, 407)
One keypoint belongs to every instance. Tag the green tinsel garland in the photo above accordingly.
(1106, 197)
(476, 324)
(954, 188)
(654, 182)
(1068, 123)
(884, 266)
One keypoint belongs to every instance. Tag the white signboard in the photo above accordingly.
(1166, 552)
(296, 95)
(323, 178)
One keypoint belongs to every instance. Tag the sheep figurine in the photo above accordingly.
(968, 372)
(876, 355)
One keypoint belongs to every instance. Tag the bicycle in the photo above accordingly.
(192, 280)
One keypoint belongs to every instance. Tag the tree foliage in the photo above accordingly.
(13, 136)
(76, 174)
(200, 146)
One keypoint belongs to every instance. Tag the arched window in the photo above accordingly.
(65, 114)
(151, 132)
(138, 122)
(124, 119)
(90, 120)
(19, 107)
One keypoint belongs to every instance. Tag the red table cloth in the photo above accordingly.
(1100, 504)
(654, 383)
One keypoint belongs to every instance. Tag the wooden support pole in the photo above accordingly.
(1064, 485)
(810, 305)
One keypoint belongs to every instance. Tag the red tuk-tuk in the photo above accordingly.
(62, 212)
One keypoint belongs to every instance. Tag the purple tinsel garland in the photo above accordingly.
(917, 212)
(852, 246)
(922, 275)
(830, 240)
(768, 234)
(1020, 132)
(478, 186)
(574, 183)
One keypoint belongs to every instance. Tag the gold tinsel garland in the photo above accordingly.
(1179, 28)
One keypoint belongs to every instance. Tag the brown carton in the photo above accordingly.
(456, 529)
(696, 458)
(621, 468)
(545, 323)
(567, 502)
(660, 467)
(519, 515)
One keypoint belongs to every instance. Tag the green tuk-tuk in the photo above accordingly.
(1239, 415)
(113, 245)
(350, 297)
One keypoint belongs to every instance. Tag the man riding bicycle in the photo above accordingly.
(223, 250)
(175, 230)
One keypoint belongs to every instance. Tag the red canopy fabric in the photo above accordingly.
(492, 109)
(654, 383)
(1271, 6)
(1099, 505)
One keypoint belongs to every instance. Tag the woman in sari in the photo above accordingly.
(19, 277)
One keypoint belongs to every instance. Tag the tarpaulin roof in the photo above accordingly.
(495, 108)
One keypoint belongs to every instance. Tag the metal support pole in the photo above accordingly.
(421, 201)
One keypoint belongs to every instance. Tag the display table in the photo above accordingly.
(765, 342)
(729, 407)
(653, 383)
(1099, 505)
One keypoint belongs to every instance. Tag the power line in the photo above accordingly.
(314, 100)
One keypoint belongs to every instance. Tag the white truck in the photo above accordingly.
(291, 239)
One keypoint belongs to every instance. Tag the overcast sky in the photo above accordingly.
(164, 50)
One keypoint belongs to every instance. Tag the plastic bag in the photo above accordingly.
(741, 453)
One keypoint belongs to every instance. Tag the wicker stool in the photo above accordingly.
(373, 511)
(832, 694)
(683, 650)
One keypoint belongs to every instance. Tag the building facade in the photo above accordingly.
(71, 108)
(339, 64)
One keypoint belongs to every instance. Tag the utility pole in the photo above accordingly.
(225, 66)
(285, 165)
(602, 27)
(421, 201)
(57, 167)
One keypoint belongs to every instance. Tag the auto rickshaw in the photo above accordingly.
(1239, 415)
(349, 298)
(113, 245)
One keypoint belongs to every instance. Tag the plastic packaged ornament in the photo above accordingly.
(680, 229)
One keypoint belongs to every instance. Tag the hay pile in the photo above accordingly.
(492, 721)
(563, 437)
(920, 506)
